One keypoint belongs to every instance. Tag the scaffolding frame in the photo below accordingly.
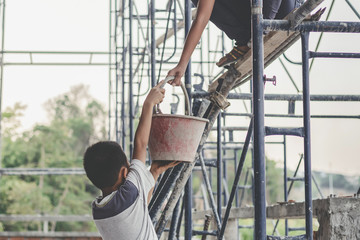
(126, 51)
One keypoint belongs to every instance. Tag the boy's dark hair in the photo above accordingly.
(102, 163)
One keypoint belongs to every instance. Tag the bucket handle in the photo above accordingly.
(187, 102)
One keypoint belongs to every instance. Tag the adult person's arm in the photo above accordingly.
(204, 10)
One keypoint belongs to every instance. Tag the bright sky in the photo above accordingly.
(83, 25)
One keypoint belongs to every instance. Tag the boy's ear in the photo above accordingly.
(123, 172)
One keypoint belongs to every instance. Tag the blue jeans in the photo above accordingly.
(233, 17)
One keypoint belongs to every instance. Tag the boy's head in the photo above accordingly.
(103, 162)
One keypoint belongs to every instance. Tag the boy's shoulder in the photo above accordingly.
(117, 202)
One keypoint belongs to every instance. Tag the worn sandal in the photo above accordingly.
(235, 54)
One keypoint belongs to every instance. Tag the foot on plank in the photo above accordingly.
(233, 56)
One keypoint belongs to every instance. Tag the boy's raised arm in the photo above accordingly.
(155, 96)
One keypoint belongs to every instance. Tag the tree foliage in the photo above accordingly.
(75, 121)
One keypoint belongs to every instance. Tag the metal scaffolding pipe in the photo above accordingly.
(286, 97)
(307, 143)
(258, 110)
(320, 26)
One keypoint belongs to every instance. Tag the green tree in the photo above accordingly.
(75, 121)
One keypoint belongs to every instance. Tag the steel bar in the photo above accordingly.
(289, 75)
(258, 107)
(285, 186)
(210, 193)
(317, 186)
(197, 232)
(353, 8)
(286, 97)
(188, 188)
(307, 143)
(321, 34)
(131, 100)
(116, 78)
(30, 234)
(59, 52)
(297, 229)
(219, 166)
(207, 222)
(123, 114)
(320, 26)
(299, 179)
(3, 5)
(55, 64)
(284, 131)
(301, 237)
(111, 67)
(333, 55)
(41, 171)
(57, 218)
(236, 180)
(175, 221)
(153, 44)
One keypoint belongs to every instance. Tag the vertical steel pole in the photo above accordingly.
(307, 143)
(131, 110)
(116, 76)
(224, 177)
(237, 178)
(153, 43)
(285, 184)
(188, 186)
(123, 79)
(175, 220)
(2, 71)
(259, 135)
(219, 166)
(110, 67)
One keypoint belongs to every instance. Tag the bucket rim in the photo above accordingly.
(181, 116)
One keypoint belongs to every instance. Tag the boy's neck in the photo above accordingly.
(108, 190)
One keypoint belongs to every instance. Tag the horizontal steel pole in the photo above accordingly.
(54, 64)
(314, 116)
(197, 232)
(284, 131)
(50, 234)
(287, 97)
(57, 218)
(316, 26)
(333, 55)
(42, 171)
(57, 52)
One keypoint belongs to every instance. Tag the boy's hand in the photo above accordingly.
(158, 167)
(178, 72)
(156, 94)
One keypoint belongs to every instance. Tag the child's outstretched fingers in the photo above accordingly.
(160, 84)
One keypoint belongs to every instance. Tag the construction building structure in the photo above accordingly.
(143, 43)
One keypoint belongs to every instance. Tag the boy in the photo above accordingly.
(233, 17)
(122, 212)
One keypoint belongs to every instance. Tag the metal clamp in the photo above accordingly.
(273, 80)
(219, 100)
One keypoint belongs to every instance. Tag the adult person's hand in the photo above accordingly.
(204, 9)
(177, 72)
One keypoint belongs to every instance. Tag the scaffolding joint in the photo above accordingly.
(219, 100)
(273, 80)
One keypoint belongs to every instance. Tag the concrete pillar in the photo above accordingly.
(339, 218)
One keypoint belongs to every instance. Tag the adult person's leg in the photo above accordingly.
(286, 7)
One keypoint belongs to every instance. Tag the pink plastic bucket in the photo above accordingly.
(175, 137)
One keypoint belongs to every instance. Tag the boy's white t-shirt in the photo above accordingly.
(124, 213)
